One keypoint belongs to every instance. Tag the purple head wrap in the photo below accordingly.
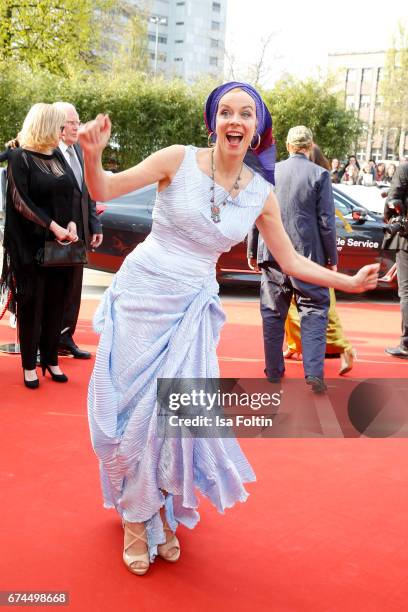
(263, 160)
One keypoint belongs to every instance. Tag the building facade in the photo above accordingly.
(358, 76)
(186, 38)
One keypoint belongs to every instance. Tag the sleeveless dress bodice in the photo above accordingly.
(184, 239)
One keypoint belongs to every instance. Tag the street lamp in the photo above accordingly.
(157, 21)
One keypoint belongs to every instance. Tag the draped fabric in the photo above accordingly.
(161, 318)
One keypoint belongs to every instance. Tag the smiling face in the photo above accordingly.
(235, 122)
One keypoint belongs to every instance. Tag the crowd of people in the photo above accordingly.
(369, 173)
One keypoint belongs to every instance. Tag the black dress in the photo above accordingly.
(39, 191)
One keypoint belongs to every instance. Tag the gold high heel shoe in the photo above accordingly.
(170, 551)
(347, 360)
(136, 563)
(289, 353)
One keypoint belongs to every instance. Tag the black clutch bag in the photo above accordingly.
(56, 253)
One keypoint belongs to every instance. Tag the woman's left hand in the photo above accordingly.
(94, 135)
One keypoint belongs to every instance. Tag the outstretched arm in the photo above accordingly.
(270, 225)
(160, 167)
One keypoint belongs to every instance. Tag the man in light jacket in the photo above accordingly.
(305, 198)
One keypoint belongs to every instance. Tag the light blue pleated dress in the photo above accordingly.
(161, 318)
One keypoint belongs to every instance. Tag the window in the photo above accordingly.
(351, 76)
(216, 6)
(179, 41)
(215, 25)
(178, 59)
(179, 22)
(376, 154)
(180, 3)
(350, 103)
(367, 75)
(344, 208)
(161, 57)
(215, 43)
(160, 39)
(213, 61)
(365, 101)
(379, 101)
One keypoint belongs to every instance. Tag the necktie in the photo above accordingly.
(75, 165)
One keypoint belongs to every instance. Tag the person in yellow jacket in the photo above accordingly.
(336, 341)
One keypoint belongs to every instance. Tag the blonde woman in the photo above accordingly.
(38, 207)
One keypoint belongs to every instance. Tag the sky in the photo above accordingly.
(304, 32)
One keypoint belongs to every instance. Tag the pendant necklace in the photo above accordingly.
(216, 208)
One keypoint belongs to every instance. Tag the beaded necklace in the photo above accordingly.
(216, 208)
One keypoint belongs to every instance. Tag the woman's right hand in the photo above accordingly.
(94, 135)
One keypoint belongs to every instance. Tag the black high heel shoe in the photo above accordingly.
(31, 384)
(55, 377)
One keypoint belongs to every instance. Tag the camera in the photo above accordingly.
(398, 222)
(399, 225)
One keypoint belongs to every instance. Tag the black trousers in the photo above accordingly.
(39, 315)
(402, 274)
(72, 302)
(312, 303)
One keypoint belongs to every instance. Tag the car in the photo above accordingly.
(127, 220)
(372, 197)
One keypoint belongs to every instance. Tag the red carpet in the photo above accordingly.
(324, 529)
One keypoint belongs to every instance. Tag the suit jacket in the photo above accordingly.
(306, 203)
(91, 223)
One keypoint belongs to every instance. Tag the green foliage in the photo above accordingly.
(310, 103)
(58, 35)
(148, 114)
(124, 43)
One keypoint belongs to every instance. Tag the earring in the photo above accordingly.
(211, 143)
(258, 145)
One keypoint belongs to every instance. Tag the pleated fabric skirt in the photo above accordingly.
(154, 325)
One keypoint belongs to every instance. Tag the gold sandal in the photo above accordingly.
(289, 353)
(136, 563)
(170, 551)
(347, 358)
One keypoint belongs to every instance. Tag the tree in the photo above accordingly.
(148, 114)
(57, 35)
(394, 88)
(259, 70)
(125, 43)
(133, 53)
(310, 103)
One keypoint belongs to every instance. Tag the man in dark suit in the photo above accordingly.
(306, 201)
(88, 225)
(397, 206)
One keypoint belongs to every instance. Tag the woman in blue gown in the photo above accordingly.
(161, 317)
